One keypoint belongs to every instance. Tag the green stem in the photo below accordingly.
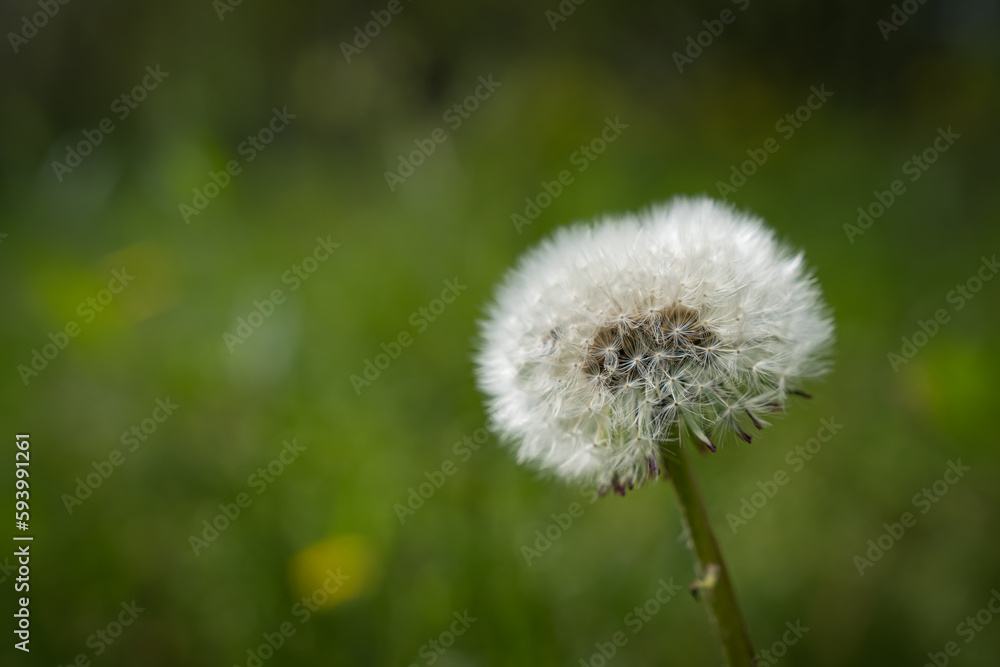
(715, 585)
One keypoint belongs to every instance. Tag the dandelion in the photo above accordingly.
(610, 342)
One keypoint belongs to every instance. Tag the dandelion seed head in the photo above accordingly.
(607, 338)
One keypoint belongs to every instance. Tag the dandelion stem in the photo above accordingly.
(714, 584)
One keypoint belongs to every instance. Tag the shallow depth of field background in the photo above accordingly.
(323, 176)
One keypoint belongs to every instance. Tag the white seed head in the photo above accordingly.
(608, 338)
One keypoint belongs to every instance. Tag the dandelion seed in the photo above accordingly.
(607, 339)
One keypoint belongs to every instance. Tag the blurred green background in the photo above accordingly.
(336, 505)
